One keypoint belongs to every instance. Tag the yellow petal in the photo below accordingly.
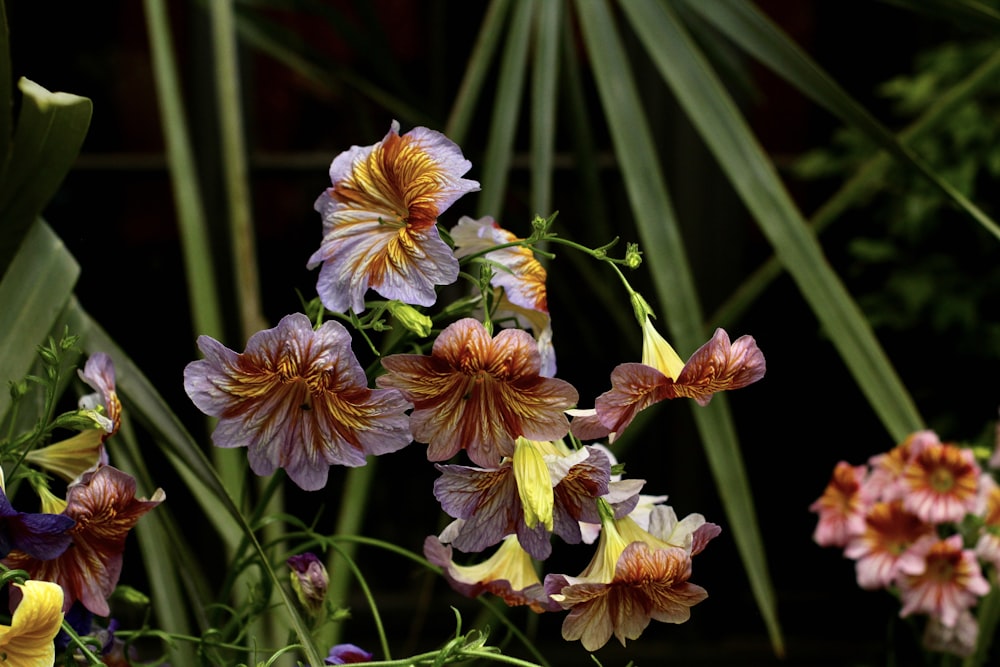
(534, 484)
(657, 352)
(35, 623)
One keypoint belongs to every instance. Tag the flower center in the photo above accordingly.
(942, 480)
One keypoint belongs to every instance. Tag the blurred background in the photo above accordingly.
(317, 77)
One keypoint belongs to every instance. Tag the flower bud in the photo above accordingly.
(411, 318)
(309, 580)
(534, 484)
(633, 256)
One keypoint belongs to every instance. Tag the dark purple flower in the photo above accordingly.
(41, 536)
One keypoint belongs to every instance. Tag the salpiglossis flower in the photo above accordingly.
(509, 574)
(635, 577)
(27, 641)
(105, 509)
(889, 545)
(479, 393)
(380, 216)
(42, 536)
(297, 399)
(517, 273)
(716, 366)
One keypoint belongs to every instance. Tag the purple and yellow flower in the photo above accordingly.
(479, 393)
(105, 509)
(491, 503)
(298, 399)
(509, 574)
(517, 273)
(43, 536)
(889, 545)
(950, 583)
(634, 577)
(99, 373)
(842, 506)
(941, 483)
(716, 366)
(28, 640)
(380, 216)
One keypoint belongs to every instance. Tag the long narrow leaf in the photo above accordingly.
(506, 110)
(6, 85)
(655, 218)
(867, 177)
(545, 70)
(33, 292)
(475, 71)
(719, 123)
(749, 28)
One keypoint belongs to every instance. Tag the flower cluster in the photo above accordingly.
(921, 520)
(485, 388)
(72, 551)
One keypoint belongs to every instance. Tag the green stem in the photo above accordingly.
(366, 591)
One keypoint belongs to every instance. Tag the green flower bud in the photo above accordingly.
(411, 318)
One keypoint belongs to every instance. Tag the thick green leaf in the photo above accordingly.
(661, 238)
(33, 292)
(754, 178)
(507, 110)
(749, 28)
(50, 129)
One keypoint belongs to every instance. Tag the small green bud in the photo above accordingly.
(641, 308)
(411, 318)
(633, 256)
(18, 389)
(131, 596)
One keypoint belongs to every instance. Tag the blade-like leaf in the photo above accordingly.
(753, 176)
(506, 110)
(475, 72)
(50, 129)
(867, 177)
(6, 88)
(33, 292)
(749, 28)
(655, 218)
(545, 70)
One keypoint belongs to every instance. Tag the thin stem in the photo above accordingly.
(366, 591)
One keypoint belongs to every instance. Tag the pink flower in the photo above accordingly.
(479, 393)
(379, 220)
(988, 545)
(297, 399)
(885, 480)
(888, 545)
(941, 483)
(842, 506)
(950, 583)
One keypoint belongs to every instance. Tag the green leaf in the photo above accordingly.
(6, 89)
(33, 292)
(506, 112)
(658, 227)
(50, 129)
(717, 120)
(545, 70)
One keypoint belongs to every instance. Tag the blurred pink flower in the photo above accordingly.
(941, 483)
(842, 506)
(887, 545)
(951, 582)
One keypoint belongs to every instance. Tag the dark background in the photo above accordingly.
(116, 215)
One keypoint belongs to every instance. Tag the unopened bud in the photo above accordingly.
(633, 256)
(411, 318)
(309, 580)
